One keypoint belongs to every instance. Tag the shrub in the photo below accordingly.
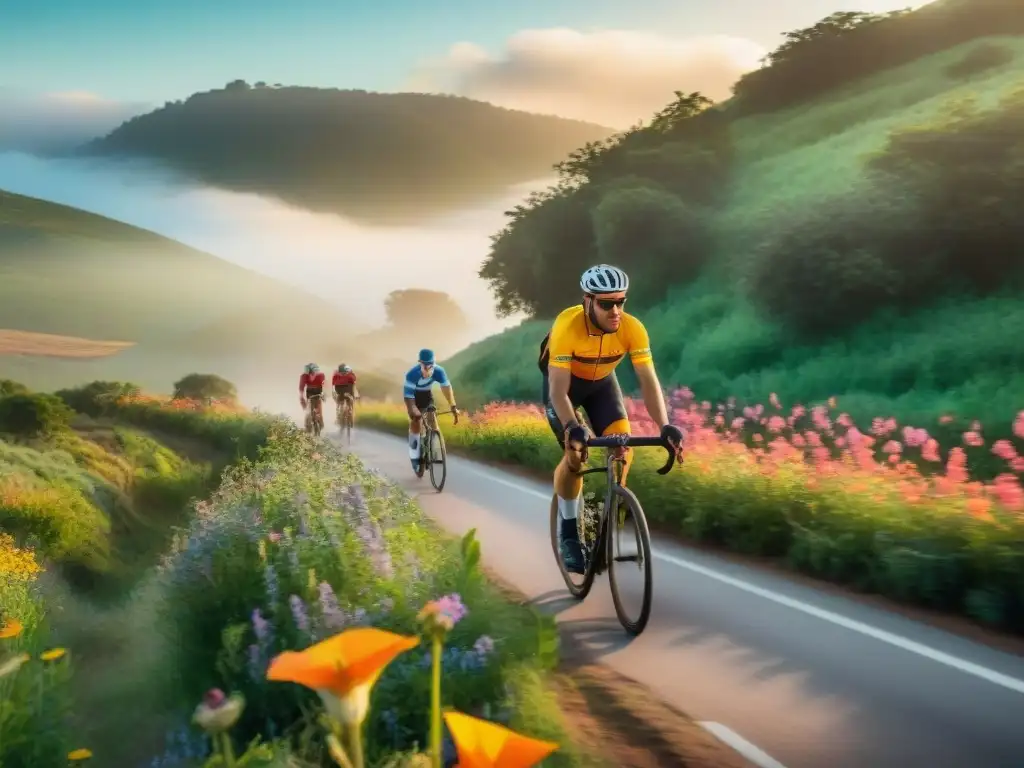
(34, 415)
(649, 231)
(9, 387)
(979, 59)
(205, 386)
(98, 398)
(830, 267)
(966, 175)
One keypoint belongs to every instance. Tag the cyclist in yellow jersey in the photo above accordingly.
(578, 360)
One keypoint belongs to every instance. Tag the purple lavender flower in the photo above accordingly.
(270, 576)
(299, 613)
(452, 608)
(334, 617)
(260, 626)
(484, 646)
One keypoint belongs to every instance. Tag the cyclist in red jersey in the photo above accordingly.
(311, 382)
(344, 383)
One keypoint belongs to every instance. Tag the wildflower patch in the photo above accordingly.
(886, 509)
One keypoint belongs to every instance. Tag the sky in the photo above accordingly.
(105, 60)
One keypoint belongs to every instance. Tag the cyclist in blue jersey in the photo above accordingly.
(418, 395)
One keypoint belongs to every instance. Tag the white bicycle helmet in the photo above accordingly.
(604, 278)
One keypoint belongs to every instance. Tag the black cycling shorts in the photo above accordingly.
(600, 400)
(423, 399)
(311, 391)
(344, 389)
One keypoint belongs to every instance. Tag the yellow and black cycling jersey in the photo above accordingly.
(575, 343)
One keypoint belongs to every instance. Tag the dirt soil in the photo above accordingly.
(621, 722)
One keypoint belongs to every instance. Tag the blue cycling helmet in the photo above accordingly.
(427, 356)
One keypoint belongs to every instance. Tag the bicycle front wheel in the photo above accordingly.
(629, 561)
(438, 458)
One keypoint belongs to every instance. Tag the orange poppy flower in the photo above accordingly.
(342, 669)
(10, 628)
(482, 744)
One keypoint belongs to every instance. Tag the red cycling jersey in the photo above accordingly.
(343, 379)
(311, 381)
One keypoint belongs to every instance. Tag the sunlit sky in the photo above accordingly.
(155, 50)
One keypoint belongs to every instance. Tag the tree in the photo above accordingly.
(9, 387)
(237, 85)
(34, 415)
(97, 397)
(204, 386)
(418, 308)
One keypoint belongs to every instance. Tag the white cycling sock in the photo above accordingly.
(569, 509)
(414, 446)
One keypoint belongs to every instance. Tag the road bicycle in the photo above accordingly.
(344, 417)
(432, 450)
(314, 423)
(601, 546)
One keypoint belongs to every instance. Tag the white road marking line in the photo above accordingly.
(754, 754)
(897, 641)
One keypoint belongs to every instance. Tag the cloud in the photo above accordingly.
(612, 77)
(53, 121)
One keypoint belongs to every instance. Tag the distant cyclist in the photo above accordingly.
(578, 358)
(419, 395)
(311, 383)
(344, 383)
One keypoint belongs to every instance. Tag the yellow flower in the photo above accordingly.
(11, 628)
(76, 755)
(13, 664)
(481, 744)
(342, 669)
(53, 654)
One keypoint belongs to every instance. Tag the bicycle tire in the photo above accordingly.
(438, 485)
(644, 545)
(579, 591)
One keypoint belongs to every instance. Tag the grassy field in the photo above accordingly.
(881, 508)
(957, 356)
(68, 273)
(297, 543)
(50, 345)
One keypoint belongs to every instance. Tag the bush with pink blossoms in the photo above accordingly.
(887, 508)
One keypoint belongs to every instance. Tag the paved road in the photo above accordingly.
(811, 679)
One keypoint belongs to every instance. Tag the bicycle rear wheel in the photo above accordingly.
(438, 457)
(627, 530)
(424, 441)
(589, 536)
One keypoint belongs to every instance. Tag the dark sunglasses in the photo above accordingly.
(609, 304)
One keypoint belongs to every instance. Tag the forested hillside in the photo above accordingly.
(372, 156)
(848, 224)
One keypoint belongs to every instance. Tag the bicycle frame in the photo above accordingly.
(613, 469)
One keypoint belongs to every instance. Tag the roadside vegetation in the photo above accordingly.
(881, 507)
(198, 570)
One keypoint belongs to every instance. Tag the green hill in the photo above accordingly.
(848, 224)
(74, 274)
(371, 156)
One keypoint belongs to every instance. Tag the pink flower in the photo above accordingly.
(774, 400)
(1004, 450)
(738, 423)
(1007, 490)
(945, 419)
(893, 448)
(973, 439)
(776, 424)
(914, 438)
(844, 420)
(1018, 425)
(930, 450)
